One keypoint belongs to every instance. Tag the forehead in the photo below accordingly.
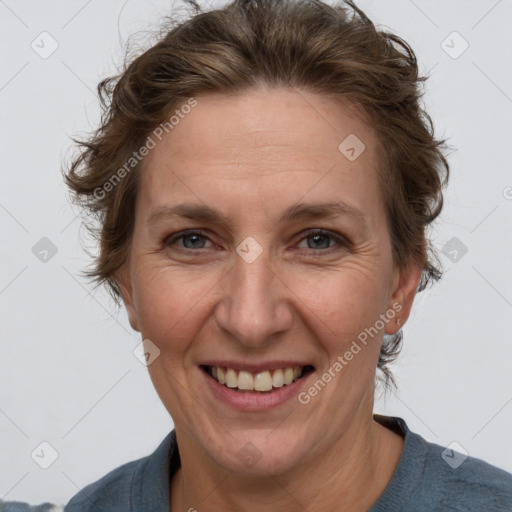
(266, 143)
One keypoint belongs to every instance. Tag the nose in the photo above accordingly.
(255, 307)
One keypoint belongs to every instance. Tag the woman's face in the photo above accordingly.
(239, 276)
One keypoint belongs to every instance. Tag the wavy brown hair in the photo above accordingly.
(333, 51)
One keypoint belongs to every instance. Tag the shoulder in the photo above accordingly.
(111, 492)
(441, 479)
(457, 481)
(141, 484)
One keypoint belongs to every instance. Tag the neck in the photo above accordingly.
(351, 475)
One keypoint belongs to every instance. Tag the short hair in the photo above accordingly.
(331, 50)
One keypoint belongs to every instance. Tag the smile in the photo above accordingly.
(265, 381)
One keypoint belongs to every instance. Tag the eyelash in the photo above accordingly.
(342, 241)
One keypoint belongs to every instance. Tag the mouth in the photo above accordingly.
(262, 382)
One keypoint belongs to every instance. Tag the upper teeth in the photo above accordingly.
(262, 381)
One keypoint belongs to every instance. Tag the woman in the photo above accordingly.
(264, 176)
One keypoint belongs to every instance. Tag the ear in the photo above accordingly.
(124, 282)
(405, 284)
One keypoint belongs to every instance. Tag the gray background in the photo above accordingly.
(68, 376)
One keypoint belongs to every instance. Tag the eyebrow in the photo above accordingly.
(204, 213)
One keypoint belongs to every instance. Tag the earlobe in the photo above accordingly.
(405, 285)
(124, 283)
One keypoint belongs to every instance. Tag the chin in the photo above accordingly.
(257, 452)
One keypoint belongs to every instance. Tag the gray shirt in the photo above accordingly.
(429, 477)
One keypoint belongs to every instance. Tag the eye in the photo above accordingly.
(190, 240)
(323, 240)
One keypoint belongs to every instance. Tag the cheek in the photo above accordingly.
(334, 304)
(342, 308)
(345, 297)
(170, 304)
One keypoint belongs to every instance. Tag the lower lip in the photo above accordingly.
(247, 401)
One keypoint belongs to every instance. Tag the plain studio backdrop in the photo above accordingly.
(73, 396)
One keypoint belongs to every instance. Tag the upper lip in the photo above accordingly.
(255, 368)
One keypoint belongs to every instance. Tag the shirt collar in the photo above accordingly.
(150, 485)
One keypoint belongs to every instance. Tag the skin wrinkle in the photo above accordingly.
(195, 306)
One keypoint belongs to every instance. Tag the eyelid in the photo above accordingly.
(337, 237)
(168, 240)
(340, 239)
